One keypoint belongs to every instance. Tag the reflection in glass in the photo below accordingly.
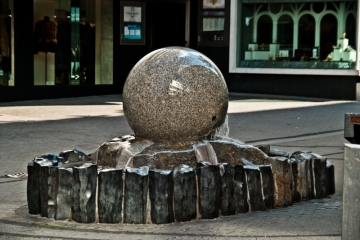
(5, 43)
(306, 35)
(75, 55)
(328, 35)
(351, 30)
(264, 30)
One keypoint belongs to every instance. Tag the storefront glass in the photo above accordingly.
(5, 43)
(64, 42)
(296, 35)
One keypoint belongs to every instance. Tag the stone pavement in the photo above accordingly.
(30, 128)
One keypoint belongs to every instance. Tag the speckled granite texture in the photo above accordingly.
(175, 93)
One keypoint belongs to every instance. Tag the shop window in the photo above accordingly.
(264, 30)
(66, 56)
(306, 36)
(351, 29)
(5, 44)
(285, 26)
(328, 37)
(319, 35)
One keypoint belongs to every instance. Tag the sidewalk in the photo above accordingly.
(30, 128)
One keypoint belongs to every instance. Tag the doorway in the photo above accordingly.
(170, 24)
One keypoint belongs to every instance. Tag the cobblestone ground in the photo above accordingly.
(318, 218)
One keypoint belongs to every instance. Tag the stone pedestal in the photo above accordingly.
(161, 196)
(71, 156)
(227, 205)
(305, 180)
(205, 152)
(282, 180)
(48, 190)
(110, 194)
(319, 168)
(255, 195)
(330, 178)
(84, 193)
(240, 190)
(209, 190)
(351, 194)
(294, 173)
(108, 154)
(136, 192)
(267, 183)
(65, 182)
(184, 193)
(278, 153)
(33, 188)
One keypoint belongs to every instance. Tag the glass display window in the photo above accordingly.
(64, 42)
(6, 53)
(271, 35)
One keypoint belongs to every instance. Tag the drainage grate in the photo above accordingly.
(17, 175)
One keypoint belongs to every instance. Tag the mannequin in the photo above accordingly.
(45, 35)
(75, 62)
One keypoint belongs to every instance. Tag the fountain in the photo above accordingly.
(180, 164)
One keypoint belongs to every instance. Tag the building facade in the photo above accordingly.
(71, 48)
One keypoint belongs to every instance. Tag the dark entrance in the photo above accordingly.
(168, 24)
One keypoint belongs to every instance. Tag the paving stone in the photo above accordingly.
(240, 190)
(136, 193)
(209, 190)
(161, 196)
(184, 193)
(84, 193)
(110, 195)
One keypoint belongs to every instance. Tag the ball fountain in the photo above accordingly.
(178, 165)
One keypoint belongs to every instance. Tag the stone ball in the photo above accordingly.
(175, 93)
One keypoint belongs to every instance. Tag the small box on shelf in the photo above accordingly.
(252, 46)
(342, 43)
(349, 56)
(336, 54)
(248, 55)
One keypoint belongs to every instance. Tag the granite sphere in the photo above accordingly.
(175, 93)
